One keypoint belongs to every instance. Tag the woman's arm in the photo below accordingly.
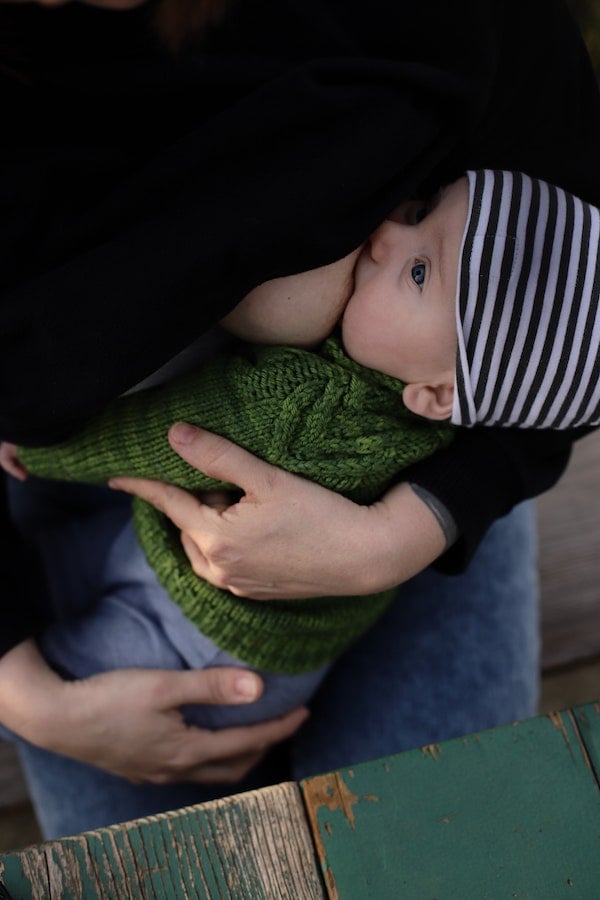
(288, 537)
(129, 722)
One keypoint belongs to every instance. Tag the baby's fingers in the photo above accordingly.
(9, 461)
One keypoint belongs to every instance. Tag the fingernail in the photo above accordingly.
(182, 433)
(247, 687)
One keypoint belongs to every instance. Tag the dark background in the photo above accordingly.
(587, 13)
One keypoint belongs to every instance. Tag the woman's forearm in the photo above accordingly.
(407, 537)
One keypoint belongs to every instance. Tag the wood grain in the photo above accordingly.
(253, 846)
(569, 526)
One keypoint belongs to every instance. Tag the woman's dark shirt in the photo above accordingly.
(144, 194)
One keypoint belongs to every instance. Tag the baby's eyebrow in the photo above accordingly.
(440, 261)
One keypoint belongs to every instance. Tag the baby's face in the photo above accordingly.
(401, 317)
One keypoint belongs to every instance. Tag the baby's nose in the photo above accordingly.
(386, 239)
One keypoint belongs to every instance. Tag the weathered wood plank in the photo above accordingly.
(513, 812)
(588, 721)
(569, 528)
(253, 846)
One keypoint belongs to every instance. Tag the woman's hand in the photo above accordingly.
(288, 537)
(128, 722)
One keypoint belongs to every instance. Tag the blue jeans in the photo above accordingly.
(112, 613)
(453, 655)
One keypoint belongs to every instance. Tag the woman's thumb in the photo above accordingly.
(217, 457)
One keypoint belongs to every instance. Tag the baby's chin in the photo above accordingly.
(353, 346)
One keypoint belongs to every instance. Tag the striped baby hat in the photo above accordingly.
(528, 306)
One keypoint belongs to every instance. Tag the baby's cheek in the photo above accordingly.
(357, 333)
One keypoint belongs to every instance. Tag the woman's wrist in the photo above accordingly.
(406, 537)
(30, 694)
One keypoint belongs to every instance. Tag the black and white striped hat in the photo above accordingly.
(528, 306)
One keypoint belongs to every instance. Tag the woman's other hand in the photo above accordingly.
(129, 722)
(288, 537)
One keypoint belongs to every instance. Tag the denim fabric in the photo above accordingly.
(112, 611)
(454, 654)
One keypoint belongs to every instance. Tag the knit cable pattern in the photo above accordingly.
(316, 414)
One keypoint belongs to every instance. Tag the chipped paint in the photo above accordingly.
(328, 791)
(581, 716)
(331, 888)
(332, 792)
(580, 741)
(432, 750)
(557, 721)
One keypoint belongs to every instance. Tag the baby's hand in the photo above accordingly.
(10, 461)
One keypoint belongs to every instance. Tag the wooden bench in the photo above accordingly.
(569, 528)
(511, 812)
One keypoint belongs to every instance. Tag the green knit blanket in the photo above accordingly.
(319, 415)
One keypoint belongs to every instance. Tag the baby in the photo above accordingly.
(484, 301)
(480, 307)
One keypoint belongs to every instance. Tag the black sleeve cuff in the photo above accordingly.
(484, 473)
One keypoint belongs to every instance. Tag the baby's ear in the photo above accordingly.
(433, 401)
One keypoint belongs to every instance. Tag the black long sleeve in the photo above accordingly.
(142, 194)
(21, 585)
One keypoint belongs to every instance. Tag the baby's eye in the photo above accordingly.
(420, 214)
(417, 273)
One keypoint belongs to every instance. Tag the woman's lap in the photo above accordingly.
(112, 611)
(453, 655)
(70, 797)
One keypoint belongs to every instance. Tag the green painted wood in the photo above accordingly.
(588, 721)
(508, 813)
(254, 846)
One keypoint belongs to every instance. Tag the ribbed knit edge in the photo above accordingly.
(291, 636)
